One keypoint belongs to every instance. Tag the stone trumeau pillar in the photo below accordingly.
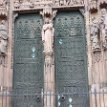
(49, 72)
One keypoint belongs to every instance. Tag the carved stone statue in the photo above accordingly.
(103, 25)
(48, 30)
(95, 35)
(48, 35)
(3, 37)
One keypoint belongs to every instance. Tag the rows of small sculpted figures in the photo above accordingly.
(98, 29)
(23, 4)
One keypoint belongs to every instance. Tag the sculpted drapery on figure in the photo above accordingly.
(103, 26)
(48, 35)
(48, 29)
(95, 35)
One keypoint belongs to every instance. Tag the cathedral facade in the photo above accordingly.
(53, 53)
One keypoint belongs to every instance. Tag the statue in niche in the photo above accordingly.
(103, 25)
(48, 35)
(48, 29)
(95, 35)
(3, 37)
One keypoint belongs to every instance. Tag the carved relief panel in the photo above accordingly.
(29, 4)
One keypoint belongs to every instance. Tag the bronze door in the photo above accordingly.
(28, 61)
(71, 60)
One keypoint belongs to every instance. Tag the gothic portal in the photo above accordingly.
(53, 53)
(69, 58)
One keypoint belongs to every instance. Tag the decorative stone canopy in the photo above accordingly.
(3, 8)
(3, 12)
(103, 3)
(93, 6)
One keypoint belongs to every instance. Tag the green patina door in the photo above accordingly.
(71, 60)
(28, 61)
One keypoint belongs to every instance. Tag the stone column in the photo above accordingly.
(49, 72)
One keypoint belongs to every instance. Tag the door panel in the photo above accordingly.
(28, 61)
(70, 59)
